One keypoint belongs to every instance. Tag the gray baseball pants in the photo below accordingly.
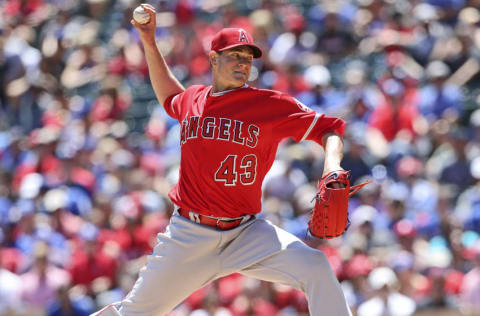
(189, 255)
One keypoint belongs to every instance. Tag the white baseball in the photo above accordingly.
(140, 15)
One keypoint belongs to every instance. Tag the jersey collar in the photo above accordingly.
(220, 93)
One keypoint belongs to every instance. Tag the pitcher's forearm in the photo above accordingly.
(163, 81)
(333, 145)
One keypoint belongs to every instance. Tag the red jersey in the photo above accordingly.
(229, 142)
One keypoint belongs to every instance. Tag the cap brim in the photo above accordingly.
(257, 52)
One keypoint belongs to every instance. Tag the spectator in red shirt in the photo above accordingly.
(91, 260)
(397, 112)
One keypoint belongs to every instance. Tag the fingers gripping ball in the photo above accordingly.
(330, 213)
(140, 15)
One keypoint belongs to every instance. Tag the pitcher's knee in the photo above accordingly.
(315, 267)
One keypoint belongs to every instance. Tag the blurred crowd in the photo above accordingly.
(87, 155)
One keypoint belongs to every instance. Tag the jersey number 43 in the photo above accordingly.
(232, 169)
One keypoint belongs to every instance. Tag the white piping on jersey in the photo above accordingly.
(217, 94)
(171, 104)
(315, 119)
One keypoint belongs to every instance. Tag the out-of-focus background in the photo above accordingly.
(87, 155)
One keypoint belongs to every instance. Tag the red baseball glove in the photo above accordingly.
(330, 213)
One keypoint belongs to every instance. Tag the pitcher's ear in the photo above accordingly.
(213, 57)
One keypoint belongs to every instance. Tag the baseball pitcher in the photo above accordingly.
(229, 137)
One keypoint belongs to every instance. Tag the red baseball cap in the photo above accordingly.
(233, 37)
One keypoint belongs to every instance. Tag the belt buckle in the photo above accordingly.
(223, 227)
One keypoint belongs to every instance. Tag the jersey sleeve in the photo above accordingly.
(302, 123)
(172, 105)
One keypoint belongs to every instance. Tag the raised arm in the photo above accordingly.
(163, 81)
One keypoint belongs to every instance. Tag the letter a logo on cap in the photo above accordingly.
(243, 36)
